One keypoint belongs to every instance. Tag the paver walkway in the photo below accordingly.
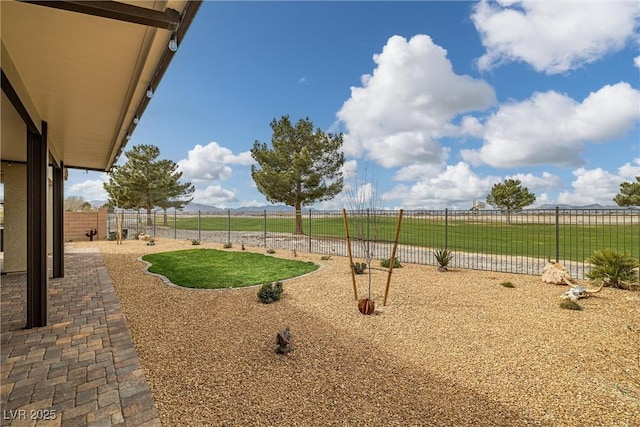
(80, 370)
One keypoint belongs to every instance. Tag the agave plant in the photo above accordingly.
(444, 257)
(613, 268)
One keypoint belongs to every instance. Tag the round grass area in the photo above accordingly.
(214, 269)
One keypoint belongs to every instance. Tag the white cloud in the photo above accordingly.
(591, 187)
(302, 79)
(636, 61)
(360, 189)
(456, 187)
(254, 202)
(553, 36)
(470, 125)
(535, 184)
(416, 172)
(552, 128)
(542, 199)
(211, 162)
(90, 190)
(349, 171)
(629, 171)
(214, 195)
(398, 114)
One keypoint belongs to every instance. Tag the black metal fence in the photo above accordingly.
(480, 240)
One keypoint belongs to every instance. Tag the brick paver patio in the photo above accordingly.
(80, 370)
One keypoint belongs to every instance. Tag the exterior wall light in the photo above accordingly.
(173, 43)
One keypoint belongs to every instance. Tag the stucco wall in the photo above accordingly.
(76, 225)
(15, 217)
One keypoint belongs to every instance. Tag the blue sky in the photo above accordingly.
(437, 101)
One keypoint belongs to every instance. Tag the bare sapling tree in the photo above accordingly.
(363, 204)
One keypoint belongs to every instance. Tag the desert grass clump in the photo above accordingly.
(227, 245)
(270, 292)
(507, 284)
(271, 251)
(195, 242)
(570, 305)
(613, 268)
(387, 262)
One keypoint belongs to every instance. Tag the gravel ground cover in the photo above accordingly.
(448, 349)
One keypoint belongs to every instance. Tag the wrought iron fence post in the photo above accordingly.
(265, 228)
(631, 243)
(557, 234)
(369, 257)
(309, 230)
(199, 229)
(175, 224)
(154, 223)
(446, 228)
(229, 226)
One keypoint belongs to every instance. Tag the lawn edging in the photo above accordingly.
(168, 282)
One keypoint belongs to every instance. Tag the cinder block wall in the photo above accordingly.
(76, 225)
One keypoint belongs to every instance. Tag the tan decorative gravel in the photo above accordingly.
(449, 349)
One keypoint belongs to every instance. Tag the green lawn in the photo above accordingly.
(215, 269)
(538, 240)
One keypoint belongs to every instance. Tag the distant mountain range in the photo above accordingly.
(593, 206)
(195, 207)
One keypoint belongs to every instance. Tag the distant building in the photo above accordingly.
(477, 205)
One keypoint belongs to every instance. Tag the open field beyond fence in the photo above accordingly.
(486, 240)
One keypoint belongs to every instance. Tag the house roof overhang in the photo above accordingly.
(84, 67)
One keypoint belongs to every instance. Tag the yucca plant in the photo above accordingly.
(613, 268)
(444, 257)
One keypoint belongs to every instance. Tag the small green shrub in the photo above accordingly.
(359, 267)
(444, 257)
(614, 268)
(507, 284)
(112, 234)
(325, 257)
(568, 304)
(270, 292)
(227, 245)
(195, 242)
(271, 251)
(387, 261)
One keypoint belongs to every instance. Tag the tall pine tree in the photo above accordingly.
(629, 193)
(145, 182)
(303, 167)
